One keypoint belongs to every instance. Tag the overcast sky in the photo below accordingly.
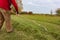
(41, 6)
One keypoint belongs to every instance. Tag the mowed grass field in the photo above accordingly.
(33, 27)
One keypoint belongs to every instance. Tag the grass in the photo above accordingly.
(33, 27)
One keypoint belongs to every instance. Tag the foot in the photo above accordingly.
(8, 31)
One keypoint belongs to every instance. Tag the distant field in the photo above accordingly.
(33, 27)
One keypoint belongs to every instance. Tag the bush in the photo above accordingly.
(58, 11)
(30, 12)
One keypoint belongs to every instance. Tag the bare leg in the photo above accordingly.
(7, 17)
(1, 20)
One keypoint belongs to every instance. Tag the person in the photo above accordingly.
(5, 13)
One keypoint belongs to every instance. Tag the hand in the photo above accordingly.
(12, 12)
(17, 15)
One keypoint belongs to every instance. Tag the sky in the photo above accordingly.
(41, 6)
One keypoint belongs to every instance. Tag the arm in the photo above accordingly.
(15, 5)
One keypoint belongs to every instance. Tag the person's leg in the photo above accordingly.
(7, 17)
(1, 20)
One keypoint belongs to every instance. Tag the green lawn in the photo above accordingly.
(33, 27)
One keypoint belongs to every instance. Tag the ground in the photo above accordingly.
(33, 27)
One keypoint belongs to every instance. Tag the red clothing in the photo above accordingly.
(5, 4)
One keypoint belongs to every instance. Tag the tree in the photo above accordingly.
(30, 12)
(58, 11)
(20, 5)
(51, 12)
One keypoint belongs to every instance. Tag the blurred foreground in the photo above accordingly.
(33, 27)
